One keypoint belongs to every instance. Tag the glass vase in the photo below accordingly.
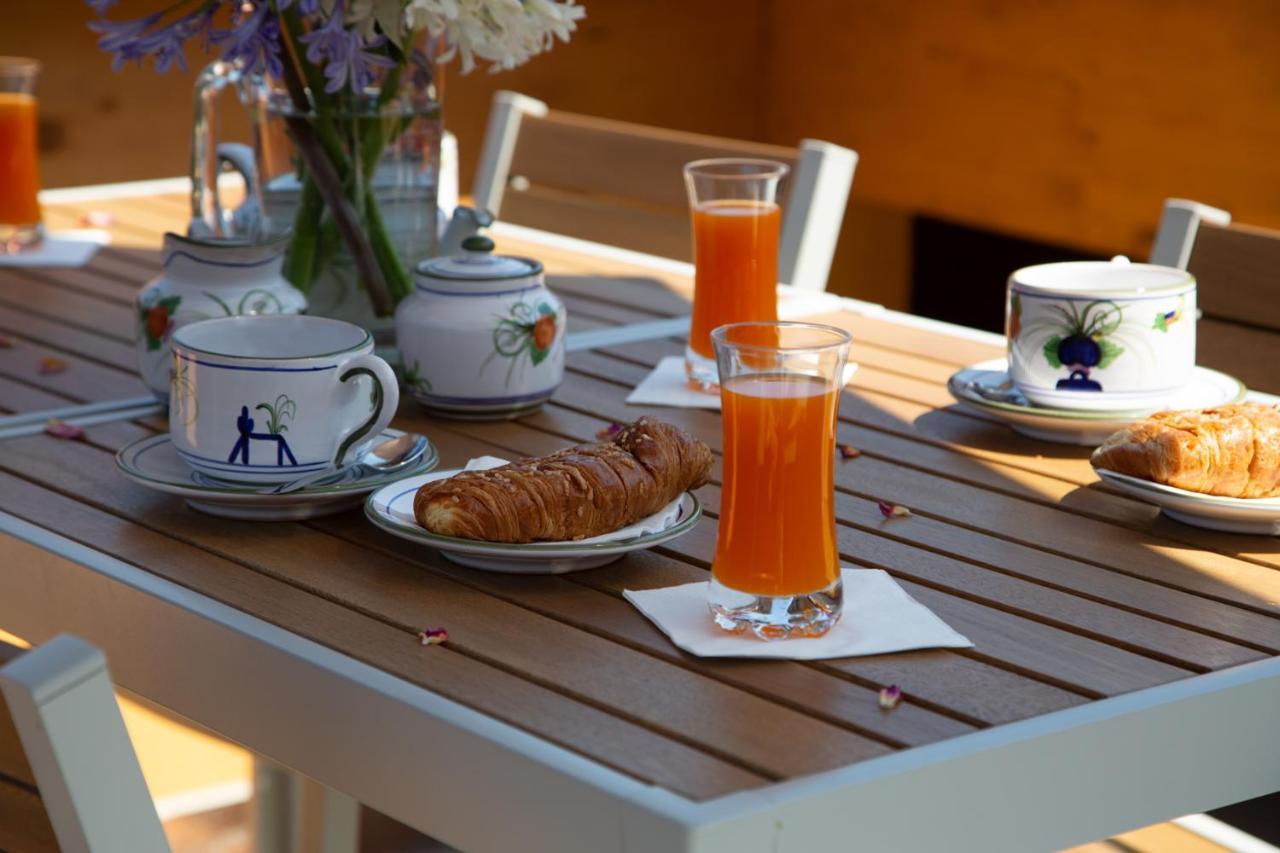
(384, 145)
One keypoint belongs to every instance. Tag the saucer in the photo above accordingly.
(154, 463)
(986, 387)
(391, 508)
(1234, 515)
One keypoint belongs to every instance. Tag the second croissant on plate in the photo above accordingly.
(1232, 450)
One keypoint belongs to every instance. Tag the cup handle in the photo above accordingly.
(386, 398)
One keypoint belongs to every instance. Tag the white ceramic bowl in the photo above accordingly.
(1100, 336)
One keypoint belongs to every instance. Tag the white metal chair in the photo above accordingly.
(1237, 268)
(620, 183)
(69, 779)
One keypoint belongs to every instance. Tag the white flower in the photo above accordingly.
(505, 33)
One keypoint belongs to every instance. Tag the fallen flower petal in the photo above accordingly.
(848, 451)
(433, 636)
(98, 219)
(50, 365)
(890, 697)
(889, 510)
(61, 429)
(610, 431)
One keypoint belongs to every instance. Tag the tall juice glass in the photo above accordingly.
(777, 569)
(19, 177)
(736, 227)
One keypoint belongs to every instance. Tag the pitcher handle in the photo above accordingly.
(208, 219)
(245, 219)
(386, 399)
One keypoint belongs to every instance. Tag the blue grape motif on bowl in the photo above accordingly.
(1081, 340)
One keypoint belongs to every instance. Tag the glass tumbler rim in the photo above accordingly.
(841, 338)
(709, 168)
(18, 66)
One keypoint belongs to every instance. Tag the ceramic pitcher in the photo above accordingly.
(203, 279)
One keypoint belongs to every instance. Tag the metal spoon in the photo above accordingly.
(385, 457)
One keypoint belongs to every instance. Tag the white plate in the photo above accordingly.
(986, 387)
(391, 508)
(1235, 515)
(154, 462)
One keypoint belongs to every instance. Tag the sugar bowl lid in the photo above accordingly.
(478, 263)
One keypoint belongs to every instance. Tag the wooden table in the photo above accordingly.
(1124, 668)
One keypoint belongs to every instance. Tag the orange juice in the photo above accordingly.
(19, 179)
(777, 521)
(735, 253)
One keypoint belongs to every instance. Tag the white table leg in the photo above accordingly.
(295, 814)
(325, 821)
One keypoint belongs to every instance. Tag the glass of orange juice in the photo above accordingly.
(776, 570)
(736, 226)
(19, 178)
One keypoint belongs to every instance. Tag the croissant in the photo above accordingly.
(574, 493)
(1229, 450)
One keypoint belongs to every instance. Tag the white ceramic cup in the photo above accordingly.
(1099, 335)
(269, 399)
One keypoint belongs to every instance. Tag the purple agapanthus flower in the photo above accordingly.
(139, 39)
(306, 7)
(343, 54)
(121, 38)
(165, 45)
(253, 41)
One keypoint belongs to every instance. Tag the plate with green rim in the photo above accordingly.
(153, 462)
(986, 388)
(391, 509)
(1259, 516)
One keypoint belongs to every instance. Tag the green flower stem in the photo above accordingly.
(327, 179)
(343, 181)
(398, 281)
(318, 103)
(300, 265)
(372, 139)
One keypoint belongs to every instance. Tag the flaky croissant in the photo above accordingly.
(1228, 450)
(574, 493)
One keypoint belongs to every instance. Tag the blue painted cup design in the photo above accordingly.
(268, 399)
(1100, 335)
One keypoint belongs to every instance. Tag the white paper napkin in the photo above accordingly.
(668, 385)
(656, 523)
(60, 249)
(878, 617)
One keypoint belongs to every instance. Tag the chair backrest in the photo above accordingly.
(24, 825)
(619, 183)
(1237, 268)
(69, 779)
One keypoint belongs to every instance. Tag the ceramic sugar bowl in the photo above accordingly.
(481, 336)
(203, 279)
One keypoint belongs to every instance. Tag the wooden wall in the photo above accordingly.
(1066, 121)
